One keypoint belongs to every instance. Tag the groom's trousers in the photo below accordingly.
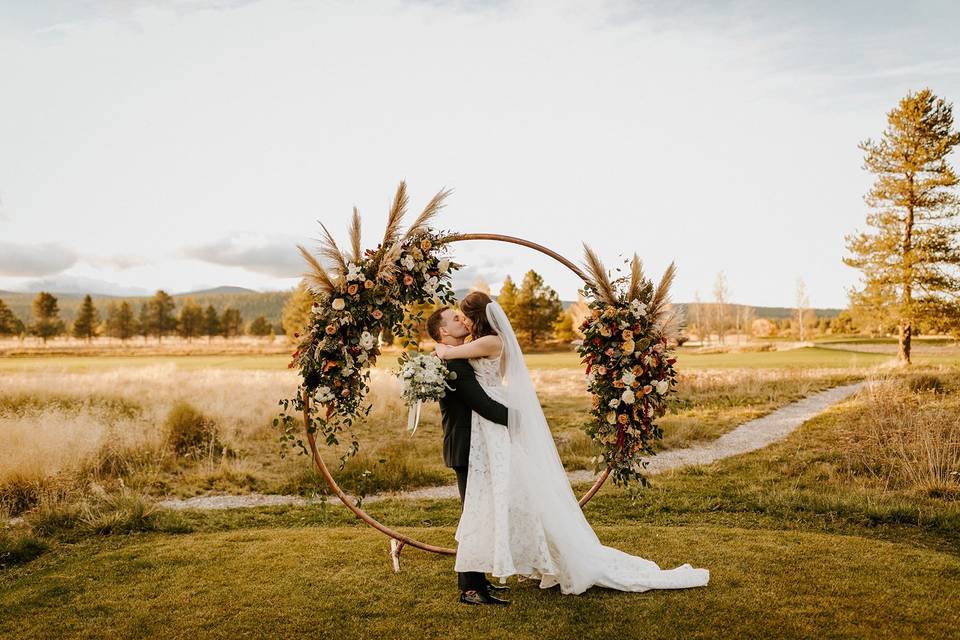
(469, 580)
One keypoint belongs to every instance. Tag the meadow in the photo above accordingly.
(850, 527)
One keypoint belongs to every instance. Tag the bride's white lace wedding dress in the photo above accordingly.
(520, 516)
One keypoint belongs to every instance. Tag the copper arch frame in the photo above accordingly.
(398, 540)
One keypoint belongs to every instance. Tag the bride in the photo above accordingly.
(520, 516)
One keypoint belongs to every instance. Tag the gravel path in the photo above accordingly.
(749, 436)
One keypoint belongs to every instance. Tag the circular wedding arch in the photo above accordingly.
(397, 539)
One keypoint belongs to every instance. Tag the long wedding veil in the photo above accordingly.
(539, 471)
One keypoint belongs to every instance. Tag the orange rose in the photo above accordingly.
(601, 371)
(345, 393)
(595, 314)
(647, 389)
(377, 314)
(352, 289)
(618, 384)
(622, 418)
(331, 329)
(627, 334)
(368, 284)
(425, 244)
(408, 279)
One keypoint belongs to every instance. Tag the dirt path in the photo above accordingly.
(749, 436)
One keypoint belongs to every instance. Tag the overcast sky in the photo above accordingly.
(183, 144)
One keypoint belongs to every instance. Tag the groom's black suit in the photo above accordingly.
(456, 411)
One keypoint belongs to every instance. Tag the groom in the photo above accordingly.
(446, 326)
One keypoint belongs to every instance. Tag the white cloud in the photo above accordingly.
(39, 259)
(273, 256)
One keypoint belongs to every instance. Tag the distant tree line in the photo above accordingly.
(157, 317)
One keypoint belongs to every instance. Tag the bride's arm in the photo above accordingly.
(480, 348)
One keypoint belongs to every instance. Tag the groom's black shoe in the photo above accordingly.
(497, 587)
(480, 597)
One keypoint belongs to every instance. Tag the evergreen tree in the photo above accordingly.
(231, 324)
(536, 308)
(211, 323)
(46, 317)
(87, 321)
(296, 310)
(120, 321)
(260, 327)
(191, 321)
(507, 298)
(911, 257)
(8, 321)
(145, 324)
(563, 328)
(160, 316)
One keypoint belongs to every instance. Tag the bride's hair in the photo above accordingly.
(474, 306)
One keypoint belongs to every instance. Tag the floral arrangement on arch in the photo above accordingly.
(630, 365)
(365, 293)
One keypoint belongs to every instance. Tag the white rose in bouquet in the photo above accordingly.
(423, 378)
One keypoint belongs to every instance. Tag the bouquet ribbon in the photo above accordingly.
(413, 417)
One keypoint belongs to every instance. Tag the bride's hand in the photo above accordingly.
(442, 350)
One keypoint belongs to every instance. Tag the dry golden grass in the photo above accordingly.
(907, 435)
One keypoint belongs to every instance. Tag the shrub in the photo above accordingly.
(925, 382)
(189, 432)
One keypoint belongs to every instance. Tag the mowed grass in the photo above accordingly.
(337, 583)
(807, 357)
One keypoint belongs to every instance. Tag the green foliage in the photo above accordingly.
(189, 432)
(87, 321)
(231, 323)
(190, 324)
(8, 321)
(260, 327)
(535, 309)
(156, 316)
(211, 322)
(507, 298)
(120, 321)
(46, 317)
(563, 329)
(910, 258)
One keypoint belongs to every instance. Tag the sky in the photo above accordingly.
(182, 144)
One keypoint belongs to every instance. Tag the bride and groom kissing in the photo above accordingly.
(519, 514)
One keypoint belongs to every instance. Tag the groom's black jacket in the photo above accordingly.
(456, 409)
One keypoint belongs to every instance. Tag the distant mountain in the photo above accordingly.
(216, 290)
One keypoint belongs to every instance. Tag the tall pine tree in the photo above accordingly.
(507, 298)
(46, 316)
(191, 320)
(211, 323)
(120, 321)
(536, 308)
(911, 256)
(87, 321)
(8, 321)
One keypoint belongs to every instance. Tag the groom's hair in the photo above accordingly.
(434, 322)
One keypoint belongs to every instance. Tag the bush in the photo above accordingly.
(189, 432)
(925, 382)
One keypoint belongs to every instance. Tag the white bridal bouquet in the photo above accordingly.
(423, 378)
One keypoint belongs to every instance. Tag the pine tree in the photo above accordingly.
(911, 257)
(8, 321)
(536, 308)
(145, 324)
(87, 321)
(563, 328)
(160, 314)
(507, 298)
(120, 321)
(190, 322)
(46, 317)
(260, 327)
(211, 323)
(231, 324)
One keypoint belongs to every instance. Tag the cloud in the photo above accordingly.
(82, 285)
(273, 256)
(35, 259)
(115, 262)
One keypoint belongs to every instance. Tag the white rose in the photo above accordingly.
(614, 403)
(338, 304)
(354, 272)
(444, 265)
(324, 394)
(628, 396)
(366, 340)
(407, 262)
(663, 386)
(628, 377)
